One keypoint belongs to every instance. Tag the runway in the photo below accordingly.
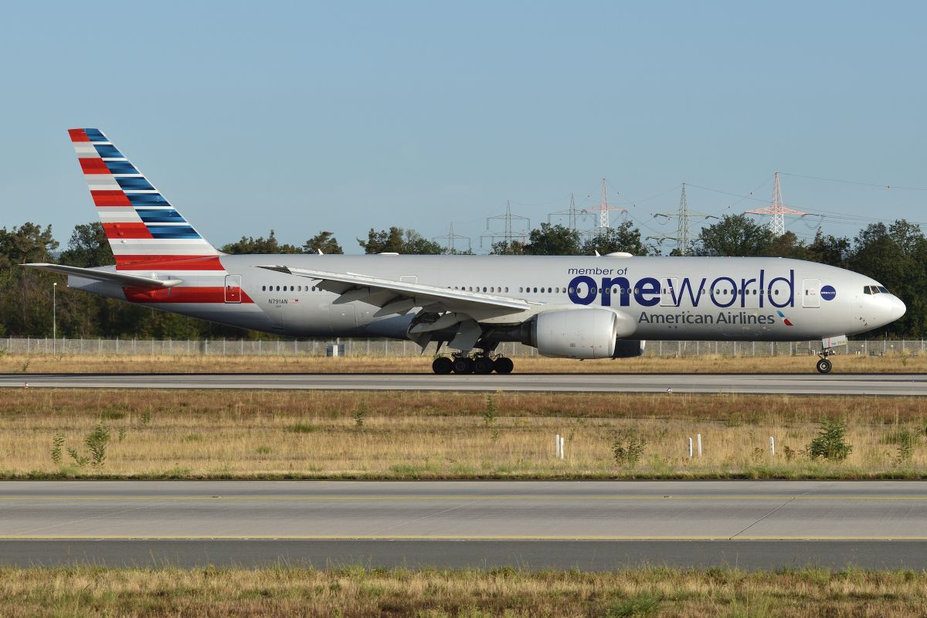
(802, 384)
(586, 525)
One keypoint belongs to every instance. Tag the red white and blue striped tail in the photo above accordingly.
(145, 232)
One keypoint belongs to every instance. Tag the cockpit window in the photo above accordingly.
(875, 289)
(883, 290)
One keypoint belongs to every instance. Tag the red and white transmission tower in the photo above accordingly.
(604, 208)
(777, 211)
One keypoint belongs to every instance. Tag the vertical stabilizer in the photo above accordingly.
(145, 232)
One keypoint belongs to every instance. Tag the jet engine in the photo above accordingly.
(578, 333)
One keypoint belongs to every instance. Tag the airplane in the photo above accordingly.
(581, 307)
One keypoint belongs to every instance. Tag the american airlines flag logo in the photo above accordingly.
(143, 229)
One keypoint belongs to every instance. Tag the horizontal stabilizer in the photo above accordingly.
(135, 281)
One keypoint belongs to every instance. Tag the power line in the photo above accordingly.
(885, 186)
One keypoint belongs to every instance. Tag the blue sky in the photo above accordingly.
(302, 116)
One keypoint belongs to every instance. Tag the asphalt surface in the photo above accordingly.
(810, 384)
(587, 525)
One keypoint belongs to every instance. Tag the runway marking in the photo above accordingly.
(448, 537)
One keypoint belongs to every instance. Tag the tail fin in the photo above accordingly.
(145, 232)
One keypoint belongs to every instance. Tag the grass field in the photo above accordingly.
(393, 435)
(356, 591)
(47, 363)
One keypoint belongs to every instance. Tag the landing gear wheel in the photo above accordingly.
(483, 365)
(442, 365)
(463, 364)
(503, 364)
(824, 366)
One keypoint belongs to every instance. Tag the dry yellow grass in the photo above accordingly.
(89, 363)
(447, 435)
(355, 591)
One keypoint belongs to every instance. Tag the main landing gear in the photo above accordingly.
(480, 364)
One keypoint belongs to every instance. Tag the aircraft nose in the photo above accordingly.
(897, 308)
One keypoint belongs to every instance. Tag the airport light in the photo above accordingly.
(54, 317)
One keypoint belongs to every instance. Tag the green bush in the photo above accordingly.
(830, 443)
(96, 442)
(906, 440)
(628, 447)
(359, 414)
(57, 444)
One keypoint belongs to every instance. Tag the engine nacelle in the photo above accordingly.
(577, 333)
(629, 348)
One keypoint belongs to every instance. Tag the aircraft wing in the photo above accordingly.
(401, 296)
(111, 276)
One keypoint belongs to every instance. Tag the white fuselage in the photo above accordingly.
(762, 299)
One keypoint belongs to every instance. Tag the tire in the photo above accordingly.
(462, 364)
(482, 365)
(503, 365)
(442, 365)
(824, 366)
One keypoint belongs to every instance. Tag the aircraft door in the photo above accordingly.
(233, 289)
(811, 293)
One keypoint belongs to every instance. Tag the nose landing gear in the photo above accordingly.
(824, 365)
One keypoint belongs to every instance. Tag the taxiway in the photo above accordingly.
(810, 384)
(587, 525)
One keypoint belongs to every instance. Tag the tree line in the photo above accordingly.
(894, 254)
